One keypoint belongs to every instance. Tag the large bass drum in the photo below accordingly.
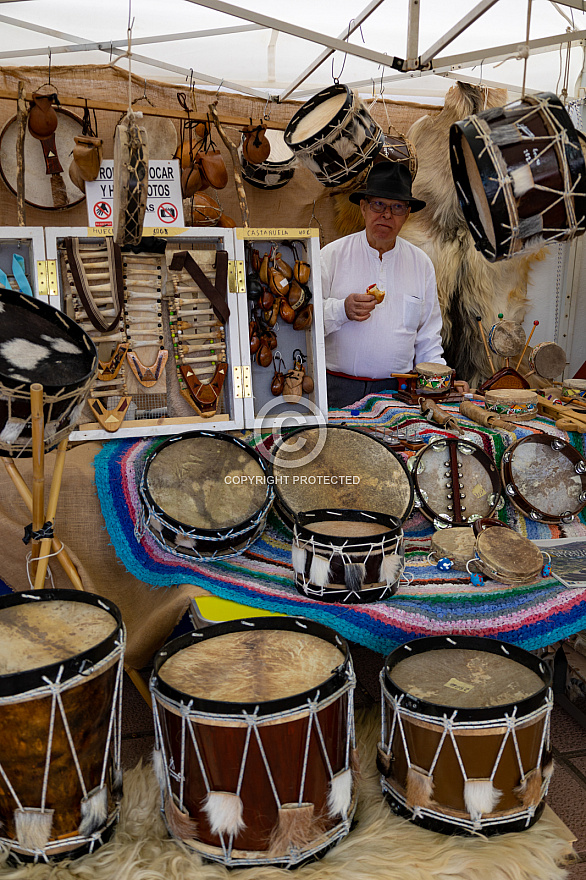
(61, 668)
(465, 734)
(254, 726)
(205, 495)
(334, 135)
(520, 175)
(40, 344)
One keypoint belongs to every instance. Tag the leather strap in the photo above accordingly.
(83, 289)
(216, 293)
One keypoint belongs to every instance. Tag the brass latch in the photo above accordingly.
(47, 278)
(236, 276)
(242, 383)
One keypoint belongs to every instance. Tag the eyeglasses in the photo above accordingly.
(379, 207)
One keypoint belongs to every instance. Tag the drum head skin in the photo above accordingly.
(206, 482)
(509, 555)
(37, 183)
(352, 471)
(545, 478)
(457, 544)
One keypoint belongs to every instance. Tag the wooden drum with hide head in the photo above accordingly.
(548, 360)
(254, 726)
(40, 344)
(506, 556)
(517, 404)
(434, 378)
(338, 468)
(61, 667)
(334, 135)
(545, 478)
(520, 175)
(465, 734)
(350, 556)
(205, 495)
(456, 544)
(507, 338)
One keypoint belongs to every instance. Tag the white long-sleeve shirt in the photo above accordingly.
(402, 330)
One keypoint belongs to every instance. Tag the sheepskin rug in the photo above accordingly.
(380, 846)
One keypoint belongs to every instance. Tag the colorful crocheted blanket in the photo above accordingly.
(433, 603)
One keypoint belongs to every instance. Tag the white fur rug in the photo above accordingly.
(380, 846)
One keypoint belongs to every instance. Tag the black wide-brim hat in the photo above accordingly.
(388, 180)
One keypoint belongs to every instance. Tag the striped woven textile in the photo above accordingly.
(434, 603)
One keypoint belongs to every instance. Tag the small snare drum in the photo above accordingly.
(254, 732)
(455, 544)
(205, 495)
(465, 742)
(545, 478)
(277, 170)
(434, 378)
(506, 556)
(456, 482)
(334, 135)
(61, 668)
(507, 338)
(349, 556)
(548, 360)
(517, 403)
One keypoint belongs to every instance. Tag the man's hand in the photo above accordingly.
(358, 306)
(462, 386)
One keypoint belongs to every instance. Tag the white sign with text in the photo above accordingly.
(164, 201)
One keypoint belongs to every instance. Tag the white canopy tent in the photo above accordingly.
(404, 49)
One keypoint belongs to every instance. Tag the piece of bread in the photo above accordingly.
(379, 295)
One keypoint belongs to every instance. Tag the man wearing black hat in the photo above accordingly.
(367, 340)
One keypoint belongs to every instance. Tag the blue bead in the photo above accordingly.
(445, 564)
(546, 571)
(477, 580)
(403, 387)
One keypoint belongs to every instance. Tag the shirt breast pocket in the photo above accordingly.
(412, 313)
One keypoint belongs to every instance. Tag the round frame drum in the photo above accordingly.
(520, 175)
(506, 556)
(348, 556)
(61, 668)
(434, 378)
(545, 478)
(338, 468)
(548, 360)
(41, 344)
(254, 727)
(456, 544)
(456, 482)
(398, 149)
(465, 734)
(334, 135)
(277, 170)
(205, 495)
(37, 181)
(507, 338)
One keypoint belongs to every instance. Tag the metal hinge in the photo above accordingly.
(236, 276)
(47, 278)
(242, 383)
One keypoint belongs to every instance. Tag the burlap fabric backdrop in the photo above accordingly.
(291, 206)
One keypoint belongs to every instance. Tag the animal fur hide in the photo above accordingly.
(468, 285)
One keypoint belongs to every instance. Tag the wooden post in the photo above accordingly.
(46, 543)
(21, 117)
(38, 438)
(235, 163)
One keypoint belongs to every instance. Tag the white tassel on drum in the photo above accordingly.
(340, 793)
(184, 541)
(33, 827)
(310, 163)
(159, 769)
(224, 811)
(344, 147)
(359, 133)
(480, 797)
(354, 576)
(180, 823)
(522, 180)
(390, 568)
(547, 773)
(12, 429)
(298, 558)
(319, 572)
(529, 789)
(94, 811)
